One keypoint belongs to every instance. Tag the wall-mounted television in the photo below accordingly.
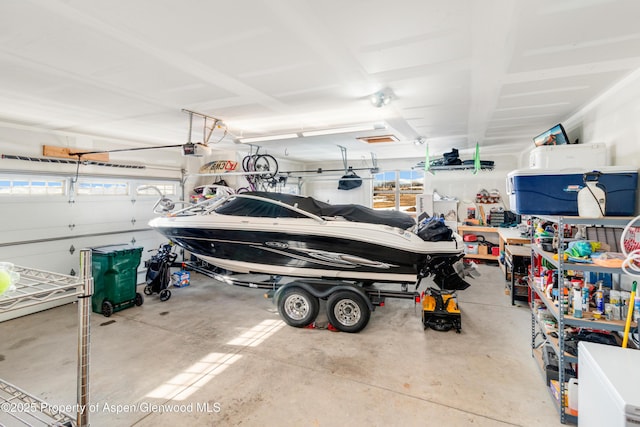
(554, 136)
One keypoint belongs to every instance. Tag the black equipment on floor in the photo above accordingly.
(158, 272)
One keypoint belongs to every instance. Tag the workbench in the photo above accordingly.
(511, 236)
(481, 230)
(516, 258)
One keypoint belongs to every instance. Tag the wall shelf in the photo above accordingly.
(458, 167)
(482, 256)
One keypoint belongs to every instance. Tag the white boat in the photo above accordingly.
(280, 234)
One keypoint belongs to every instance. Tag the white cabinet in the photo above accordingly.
(608, 386)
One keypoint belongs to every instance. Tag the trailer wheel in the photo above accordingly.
(298, 307)
(348, 311)
(107, 308)
(139, 299)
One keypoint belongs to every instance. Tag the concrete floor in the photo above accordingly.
(219, 355)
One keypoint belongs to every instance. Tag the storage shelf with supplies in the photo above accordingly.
(588, 319)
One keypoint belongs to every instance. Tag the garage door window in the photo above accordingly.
(103, 188)
(28, 187)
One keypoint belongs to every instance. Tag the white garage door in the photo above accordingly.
(46, 220)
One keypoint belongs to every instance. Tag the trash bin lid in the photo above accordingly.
(107, 249)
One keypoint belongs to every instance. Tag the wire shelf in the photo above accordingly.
(38, 286)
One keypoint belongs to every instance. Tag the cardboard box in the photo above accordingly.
(180, 279)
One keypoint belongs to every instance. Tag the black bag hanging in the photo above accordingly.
(434, 230)
(452, 158)
(349, 181)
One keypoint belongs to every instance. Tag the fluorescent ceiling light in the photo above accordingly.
(269, 138)
(342, 130)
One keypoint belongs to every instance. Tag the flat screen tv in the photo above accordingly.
(554, 136)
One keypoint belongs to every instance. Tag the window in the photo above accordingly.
(102, 188)
(26, 186)
(397, 189)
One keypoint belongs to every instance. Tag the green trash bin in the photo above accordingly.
(115, 277)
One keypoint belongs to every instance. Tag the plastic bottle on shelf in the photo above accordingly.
(585, 298)
(599, 299)
(577, 302)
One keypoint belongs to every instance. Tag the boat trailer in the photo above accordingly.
(348, 303)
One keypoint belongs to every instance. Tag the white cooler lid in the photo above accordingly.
(573, 171)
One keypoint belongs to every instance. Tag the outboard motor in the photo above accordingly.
(445, 274)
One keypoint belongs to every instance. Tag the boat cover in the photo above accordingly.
(350, 212)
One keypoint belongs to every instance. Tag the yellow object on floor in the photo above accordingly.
(440, 310)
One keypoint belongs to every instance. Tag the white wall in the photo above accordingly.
(324, 186)
(29, 141)
(461, 184)
(613, 119)
(464, 184)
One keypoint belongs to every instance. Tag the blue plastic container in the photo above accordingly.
(555, 192)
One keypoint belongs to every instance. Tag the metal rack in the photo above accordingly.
(37, 287)
(588, 320)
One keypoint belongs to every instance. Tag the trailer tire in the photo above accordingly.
(297, 307)
(348, 311)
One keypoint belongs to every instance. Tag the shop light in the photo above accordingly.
(343, 130)
(268, 138)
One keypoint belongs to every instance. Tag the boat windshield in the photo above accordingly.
(241, 206)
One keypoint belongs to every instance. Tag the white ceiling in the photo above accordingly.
(494, 71)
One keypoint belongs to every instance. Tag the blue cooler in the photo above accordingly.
(555, 191)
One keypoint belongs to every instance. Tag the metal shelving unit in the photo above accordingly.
(37, 287)
(588, 320)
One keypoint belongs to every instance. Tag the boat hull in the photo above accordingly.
(300, 248)
(295, 255)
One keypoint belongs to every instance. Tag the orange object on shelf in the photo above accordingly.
(608, 259)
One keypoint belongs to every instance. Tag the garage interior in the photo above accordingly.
(115, 114)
